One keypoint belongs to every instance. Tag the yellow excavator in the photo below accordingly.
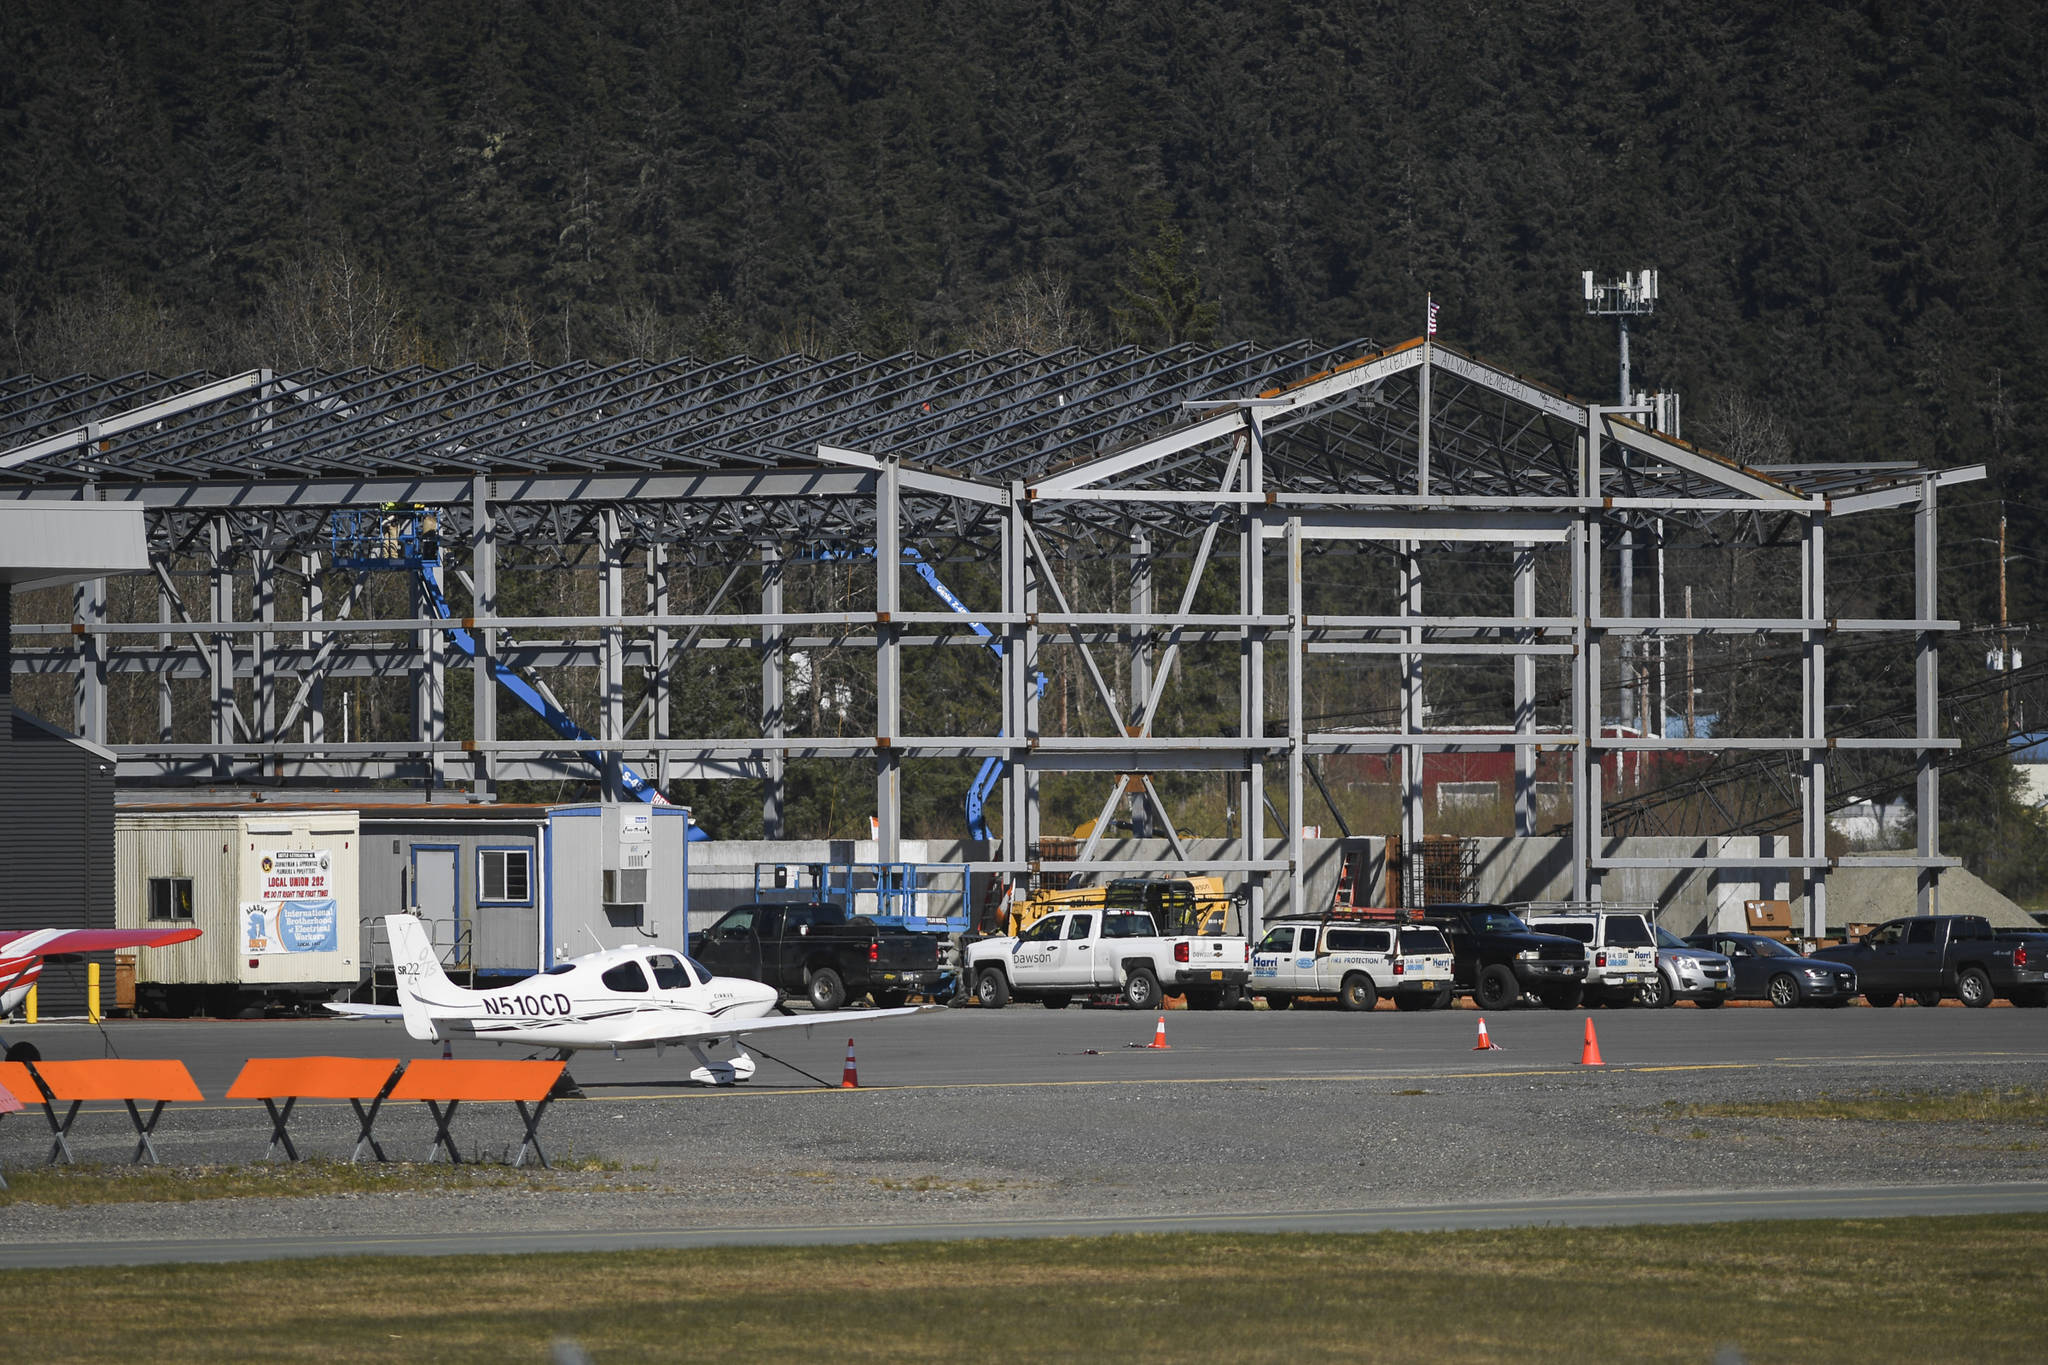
(1190, 906)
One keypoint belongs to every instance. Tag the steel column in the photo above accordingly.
(1927, 699)
(1252, 672)
(1814, 721)
(483, 686)
(1297, 657)
(888, 662)
(89, 684)
(1525, 691)
(773, 698)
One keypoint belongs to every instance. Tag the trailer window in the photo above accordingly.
(170, 898)
(504, 876)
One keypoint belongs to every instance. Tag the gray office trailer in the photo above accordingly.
(507, 891)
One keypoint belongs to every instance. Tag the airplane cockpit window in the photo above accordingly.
(669, 972)
(703, 972)
(627, 976)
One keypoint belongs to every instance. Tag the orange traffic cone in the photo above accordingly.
(1589, 1055)
(1158, 1034)
(850, 1080)
(1486, 1044)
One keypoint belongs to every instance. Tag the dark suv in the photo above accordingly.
(1499, 959)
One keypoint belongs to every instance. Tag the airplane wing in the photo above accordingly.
(655, 1029)
(366, 1011)
(53, 942)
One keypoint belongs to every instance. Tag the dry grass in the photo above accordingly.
(1994, 1104)
(1804, 1291)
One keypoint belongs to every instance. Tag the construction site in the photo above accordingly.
(1399, 581)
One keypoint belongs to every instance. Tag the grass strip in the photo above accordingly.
(1861, 1291)
(1993, 1104)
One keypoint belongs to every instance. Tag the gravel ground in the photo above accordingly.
(951, 1154)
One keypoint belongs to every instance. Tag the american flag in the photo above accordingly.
(1432, 316)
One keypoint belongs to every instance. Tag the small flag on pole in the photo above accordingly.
(1432, 315)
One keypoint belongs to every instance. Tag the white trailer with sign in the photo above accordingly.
(275, 894)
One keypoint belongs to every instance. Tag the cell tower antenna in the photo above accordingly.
(1632, 296)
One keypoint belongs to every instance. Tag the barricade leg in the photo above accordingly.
(443, 1142)
(278, 1136)
(532, 1142)
(142, 1131)
(363, 1137)
(60, 1147)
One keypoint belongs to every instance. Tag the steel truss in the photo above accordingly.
(1038, 467)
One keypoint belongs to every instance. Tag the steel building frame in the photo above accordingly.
(1033, 465)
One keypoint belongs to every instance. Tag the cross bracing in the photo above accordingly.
(1194, 471)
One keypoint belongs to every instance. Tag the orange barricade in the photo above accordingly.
(292, 1079)
(115, 1078)
(440, 1081)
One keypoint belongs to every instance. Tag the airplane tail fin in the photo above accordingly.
(417, 968)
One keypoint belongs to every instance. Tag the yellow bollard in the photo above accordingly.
(30, 1008)
(92, 992)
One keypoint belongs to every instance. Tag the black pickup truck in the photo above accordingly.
(1928, 957)
(1499, 959)
(813, 948)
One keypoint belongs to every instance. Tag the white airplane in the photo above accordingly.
(614, 1000)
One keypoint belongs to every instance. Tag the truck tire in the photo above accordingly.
(1564, 997)
(1278, 1002)
(1784, 990)
(826, 991)
(1656, 995)
(1927, 1000)
(1711, 1002)
(1881, 1000)
(1205, 1000)
(1056, 1002)
(1497, 988)
(1141, 989)
(1358, 993)
(992, 988)
(2032, 998)
(24, 1052)
(1973, 987)
(890, 1000)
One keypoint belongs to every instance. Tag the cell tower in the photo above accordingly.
(1631, 296)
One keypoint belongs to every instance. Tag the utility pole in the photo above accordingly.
(2004, 631)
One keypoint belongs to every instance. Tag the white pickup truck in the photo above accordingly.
(1103, 952)
(1357, 963)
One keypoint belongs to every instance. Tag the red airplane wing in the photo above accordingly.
(52, 942)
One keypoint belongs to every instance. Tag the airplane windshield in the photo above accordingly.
(669, 972)
(703, 972)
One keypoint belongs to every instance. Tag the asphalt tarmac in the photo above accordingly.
(1031, 1122)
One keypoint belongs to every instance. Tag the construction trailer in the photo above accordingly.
(509, 890)
(274, 893)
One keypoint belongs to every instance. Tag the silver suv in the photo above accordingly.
(1684, 972)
